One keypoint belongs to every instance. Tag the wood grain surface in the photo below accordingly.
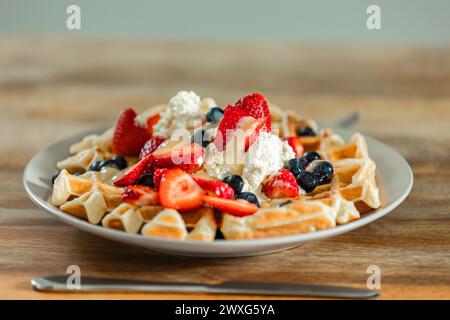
(55, 87)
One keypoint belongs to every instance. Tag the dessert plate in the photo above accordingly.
(394, 177)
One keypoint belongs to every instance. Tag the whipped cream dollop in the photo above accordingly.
(264, 157)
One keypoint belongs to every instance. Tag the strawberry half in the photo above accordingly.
(179, 191)
(296, 145)
(128, 137)
(186, 157)
(157, 176)
(151, 145)
(133, 173)
(281, 185)
(215, 187)
(151, 121)
(256, 105)
(237, 208)
(140, 195)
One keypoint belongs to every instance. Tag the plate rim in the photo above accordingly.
(122, 236)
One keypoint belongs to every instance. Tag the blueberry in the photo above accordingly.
(250, 197)
(109, 163)
(305, 131)
(54, 176)
(295, 165)
(96, 166)
(324, 171)
(214, 115)
(146, 180)
(121, 162)
(201, 137)
(311, 156)
(307, 180)
(236, 182)
(303, 161)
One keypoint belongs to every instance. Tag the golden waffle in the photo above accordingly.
(85, 196)
(125, 217)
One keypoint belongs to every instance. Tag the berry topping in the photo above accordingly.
(109, 163)
(324, 171)
(311, 156)
(186, 157)
(54, 176)
(256, 106)
(238, 208)
(228, 125)
(281, 185)
(157, 176)
(150, 146)
(296, 145)
(121, 162)
(307, 180)
(305, 131)
(250, 197)
(295, 165)
(214, 115)
(140, 195)
(179, 191)
(132, 174)
(128, 137)
(236, 182)
(96, 166)
(146, 180)
(215, 187)
(200, 137)
(151, 121)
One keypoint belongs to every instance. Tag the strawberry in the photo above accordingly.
(281, 185)
(179, 191)
(140, 195)
(151, 121)
(186, 157)
(228, 124)
(256, 106)
(128, 137)
(252, 133)
(151, 145)
(296, 145)
(215, 187)
(237, 208)
(132, 174)
(157, 176)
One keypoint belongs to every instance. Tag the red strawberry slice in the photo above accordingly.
(151, 121)
(128, 137)
(186, 157)
(227, 125)
(215, 187)
(150, 146)
(140, 195)
(253, 131)
(237, 208)
(179, 191)
(281, 185)
(256, 106)
(296, 145)
(157, 176)
(132, 174)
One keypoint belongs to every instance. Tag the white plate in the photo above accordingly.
(394, 177)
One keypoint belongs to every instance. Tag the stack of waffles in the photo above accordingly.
(352, 191)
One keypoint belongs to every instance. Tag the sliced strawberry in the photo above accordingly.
(215, 187)
(256, 106)
(281, 185)
(151, 121)
(179, 191)
(186, 157)
(296, 145)
(157, 176)
(133, 173)
(237, 208)
(252, 132)
(227, 125)
(128, 137)
(151, 145)
(140, 195)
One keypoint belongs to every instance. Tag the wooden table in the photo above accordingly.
(54, 87)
